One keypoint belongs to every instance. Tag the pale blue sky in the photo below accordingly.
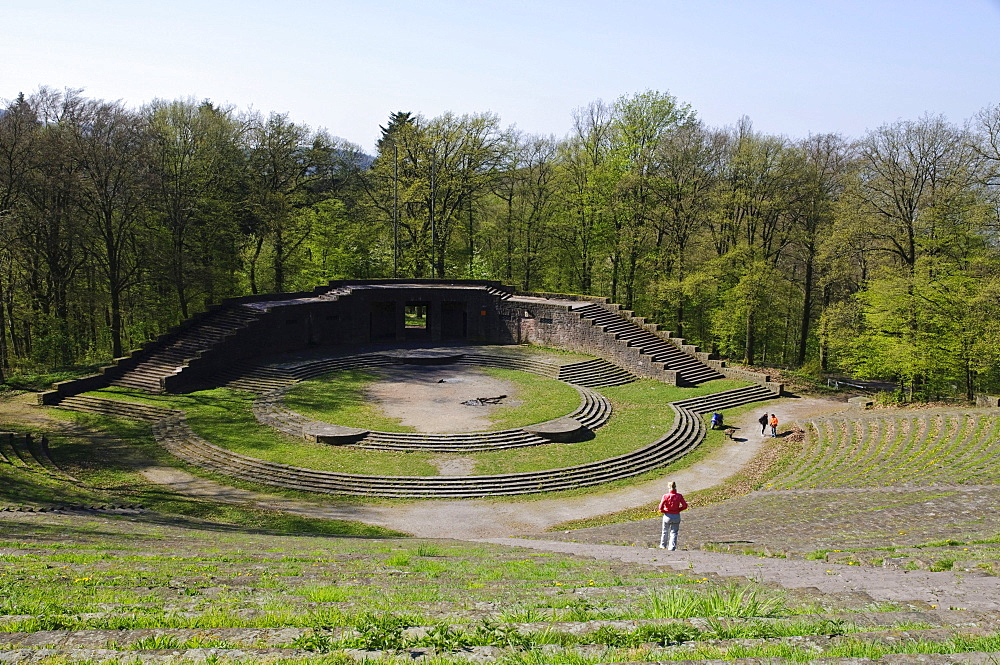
(794, 67)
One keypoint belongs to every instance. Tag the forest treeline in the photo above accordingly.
(876, 256)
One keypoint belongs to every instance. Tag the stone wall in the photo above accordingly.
(987, 400)
(554, 324)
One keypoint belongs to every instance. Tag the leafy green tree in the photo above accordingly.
(519, 234)
(641, 122)
(687, 166)
(110, 145)
(196, 164)
(589, 177)
(428, 176)
(277, 173)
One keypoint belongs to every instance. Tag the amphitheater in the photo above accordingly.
(265, 345)
(857, 536)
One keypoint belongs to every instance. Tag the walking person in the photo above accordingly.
(774, 424)
(671, 506)
(763, 420)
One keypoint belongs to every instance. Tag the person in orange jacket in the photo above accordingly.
(671, 506)
(774, 424)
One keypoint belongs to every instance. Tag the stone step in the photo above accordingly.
(690, 369)
(116, 408)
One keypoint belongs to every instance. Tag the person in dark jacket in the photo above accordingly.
(763, 420)
(671, 506)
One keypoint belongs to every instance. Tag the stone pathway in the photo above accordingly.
(944, 590)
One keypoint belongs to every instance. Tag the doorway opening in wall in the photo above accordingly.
(415, 314)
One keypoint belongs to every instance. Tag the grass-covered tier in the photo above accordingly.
(929, 447)
(130, 589)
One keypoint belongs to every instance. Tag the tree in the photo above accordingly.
(586, 195)
(195, 162)
(825, 165)
(18, 128)
(48, 230)
(641, 122)
(910, 176)
(525, 189)
(110, 145)
(278, 171)
(435, 170)
(687, 166)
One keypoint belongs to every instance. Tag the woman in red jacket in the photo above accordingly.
(671, 506)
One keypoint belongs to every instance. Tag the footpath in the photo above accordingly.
(923, 589)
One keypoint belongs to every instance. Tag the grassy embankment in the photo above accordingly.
(104, 583)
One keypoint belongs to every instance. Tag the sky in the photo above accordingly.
(793, 67)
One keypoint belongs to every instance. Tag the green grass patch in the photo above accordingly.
(339, 398)
(641, 416)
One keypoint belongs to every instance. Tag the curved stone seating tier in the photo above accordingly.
(116, 408)
(263, 379)
(686, 433)
(726, 399)
(594, 411)
(530, 365)
(688, 430)
(691, 370)
(30, 453)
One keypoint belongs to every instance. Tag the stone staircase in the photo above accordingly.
(690, 370)
(184, 345)
(596, 373)
(501, 293)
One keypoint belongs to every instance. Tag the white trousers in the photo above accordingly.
(668, 537)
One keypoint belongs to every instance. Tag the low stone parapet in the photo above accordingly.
(337, 435)
(560, 430)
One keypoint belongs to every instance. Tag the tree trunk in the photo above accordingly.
(806, 312)
(749, 351)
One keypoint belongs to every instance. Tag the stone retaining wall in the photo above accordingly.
(554, 324)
